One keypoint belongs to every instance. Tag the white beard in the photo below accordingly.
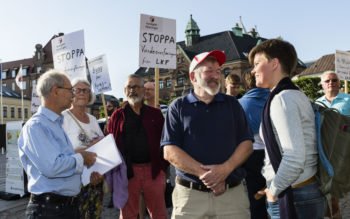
(203, 84)
(134, 100)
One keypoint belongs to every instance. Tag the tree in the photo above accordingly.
(310, 86)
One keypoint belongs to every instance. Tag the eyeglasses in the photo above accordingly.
(109, 106)
(135, 87)
(331, 80)
(81, 90)
(66, 88)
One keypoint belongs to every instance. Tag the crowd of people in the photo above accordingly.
(237, 154)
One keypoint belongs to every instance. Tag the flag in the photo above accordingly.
(19, 79)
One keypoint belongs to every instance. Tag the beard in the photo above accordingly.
(134, 99)
(205, 85)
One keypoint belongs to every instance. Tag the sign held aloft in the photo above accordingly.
(68, 52)
(157, 42)
(342, 65)
(99, 74)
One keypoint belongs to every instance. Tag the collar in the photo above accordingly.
(51, 115)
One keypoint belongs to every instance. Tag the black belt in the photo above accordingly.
(53, 199)
(201, 187)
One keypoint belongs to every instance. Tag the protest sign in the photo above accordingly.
(68, 52)
(99, 74)
(157, 42)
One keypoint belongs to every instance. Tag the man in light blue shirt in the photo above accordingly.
(332, 98)
(53, 168)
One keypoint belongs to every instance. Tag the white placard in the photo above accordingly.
(35, 100)
(108, 157)
(342, 65)
(157, 42)
(99, 74)
(68, 52)
(14, 171)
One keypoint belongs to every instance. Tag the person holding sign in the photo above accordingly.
(207, 138)
(137, 128)
(47, 155)
(83, 131)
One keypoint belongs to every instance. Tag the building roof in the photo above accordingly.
(7, 92)
(325, 63)
(235, 47)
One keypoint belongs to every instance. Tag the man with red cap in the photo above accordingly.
(207, 138)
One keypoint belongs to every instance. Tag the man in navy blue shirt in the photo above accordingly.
(207, 138)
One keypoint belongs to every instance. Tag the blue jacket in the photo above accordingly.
(253, 103)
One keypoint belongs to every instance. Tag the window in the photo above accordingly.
(19, 112)
(32, 83)
(3, 74)
(24, 85)
(24, 71)
(180, 81)
(26, 113)
(12, 112)
(168, 82)
(13, 86)
(4, 111)
(13, 73)
(38, 69)
(161, 84)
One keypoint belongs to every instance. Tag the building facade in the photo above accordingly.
(236, 44)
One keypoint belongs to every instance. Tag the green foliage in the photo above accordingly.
(311, 86)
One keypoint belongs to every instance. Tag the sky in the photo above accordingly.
(111, 27)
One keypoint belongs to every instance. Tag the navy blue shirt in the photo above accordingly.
(209, 133)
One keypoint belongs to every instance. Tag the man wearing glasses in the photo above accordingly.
(332, 98)
(137, 129)
(53, 168)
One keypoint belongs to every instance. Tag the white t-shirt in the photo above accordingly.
(72, 129)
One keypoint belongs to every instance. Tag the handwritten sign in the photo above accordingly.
(35, 100)
(157, 42)
(68, 52)
(342, 65)
(14, 182)
(99, 74)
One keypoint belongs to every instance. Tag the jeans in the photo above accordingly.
(309, 203)
(51, 211)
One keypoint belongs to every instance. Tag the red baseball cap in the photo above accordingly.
(219, 55)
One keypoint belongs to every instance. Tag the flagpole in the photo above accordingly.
(22, 94)
(2, 115)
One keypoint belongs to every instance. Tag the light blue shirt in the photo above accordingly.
(48, 157)
(341, 102)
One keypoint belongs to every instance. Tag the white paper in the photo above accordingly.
(108, 157)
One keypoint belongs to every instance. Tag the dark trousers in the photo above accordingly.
(43, 210)
(255, 182)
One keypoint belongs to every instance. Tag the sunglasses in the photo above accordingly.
(331, 80)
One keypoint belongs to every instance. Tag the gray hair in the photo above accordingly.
(324, 74)
(137, 77)
(92, 97)
(49, 79)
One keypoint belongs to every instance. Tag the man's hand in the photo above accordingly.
(214, 175)
(96, 178)
(89, 158)
(219, 189)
